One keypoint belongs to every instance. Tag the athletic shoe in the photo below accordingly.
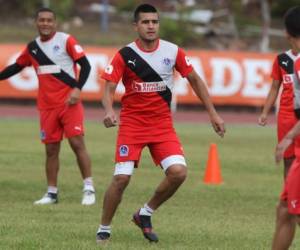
(88, 197)
(48, 198)
(102, 237)
(144, 223)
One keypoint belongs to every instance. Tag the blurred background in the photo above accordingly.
(254, 25)
(232, 44)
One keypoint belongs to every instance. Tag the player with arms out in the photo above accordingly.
(288, 209)
(54, 56)
(282, 75)
(146, 68)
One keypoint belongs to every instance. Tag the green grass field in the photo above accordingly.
(239, 214)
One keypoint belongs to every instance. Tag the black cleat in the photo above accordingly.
(144, 223)
(102, 237)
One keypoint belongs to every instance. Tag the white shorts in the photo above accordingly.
(127, 167)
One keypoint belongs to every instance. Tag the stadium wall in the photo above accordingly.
(233, 78)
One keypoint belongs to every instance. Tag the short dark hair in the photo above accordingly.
(292, 21)
(143, 8)
(44, 9)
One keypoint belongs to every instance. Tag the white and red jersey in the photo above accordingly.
(148, 80)
(283, 71)
(54, 63)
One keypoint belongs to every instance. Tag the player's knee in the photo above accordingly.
(177, 174)
(52, 150)
(283, 212)
(77, 144)
(121, 181)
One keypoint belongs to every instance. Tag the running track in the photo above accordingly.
(96, 114)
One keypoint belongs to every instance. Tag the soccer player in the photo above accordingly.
(54, 56)
(146, 67)
(288, 209)
(283, 69)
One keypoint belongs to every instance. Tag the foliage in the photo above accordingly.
(179, 32)
(28, 8)
(127, 6)
(279, 7)
(63, 8)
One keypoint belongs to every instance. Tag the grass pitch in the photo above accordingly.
(239, 214)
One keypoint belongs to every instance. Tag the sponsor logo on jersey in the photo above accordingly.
(78, 128)
(285, 63)
(149, 86)
(42, 134)
(132, 62)
(123, 150)
(34, 51)
(287, 78)
(48, 69)
(294, 203)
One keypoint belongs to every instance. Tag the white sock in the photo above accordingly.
(146, 210)
(88, 184)
(52, 189)
(104, 229)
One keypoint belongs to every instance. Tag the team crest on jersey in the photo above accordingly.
(123, 150)
(167, 61)
(56, 48)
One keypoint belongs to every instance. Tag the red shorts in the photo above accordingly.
(158, 150)
(291, 189)
(66, 120)
(284, 124)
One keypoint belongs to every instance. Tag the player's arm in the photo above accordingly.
(110, 118)
(271, 98)
(286, 141)
(85, 69)
(112, 75)
(201, 91)
(10, 71)
(76, 52)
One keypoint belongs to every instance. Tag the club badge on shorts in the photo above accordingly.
(123, 150)
(42, 134)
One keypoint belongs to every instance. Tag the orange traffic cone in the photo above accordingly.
(213, 170)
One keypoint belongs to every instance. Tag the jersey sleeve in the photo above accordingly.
(276, 72)
(74, 49)
(182, 64)
(24, 59)
(114, 71)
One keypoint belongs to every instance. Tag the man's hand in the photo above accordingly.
(218, 125)
(110, 120)
(74, 96)
(281, 147)
(262, 120)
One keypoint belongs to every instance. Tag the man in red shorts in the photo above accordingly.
(288, 209)
(282, 76)
(146, 67)
(54, 56)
